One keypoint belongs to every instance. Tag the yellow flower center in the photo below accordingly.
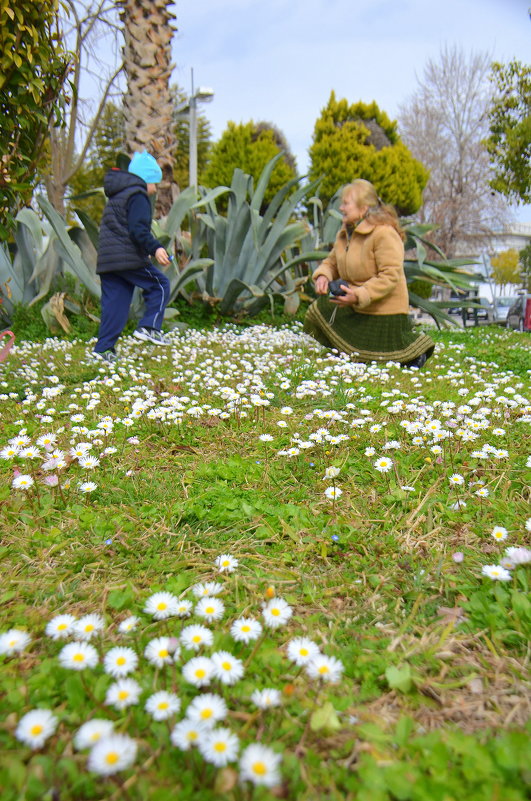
(95, 737)
(162, 606)
(111, 758)
(200, 673)
(89, 627)
(206, 713)
(197, 638)
(192, 735)
(225, 563)
(163, 705)
(209, 610)
(121, 660)
(220, 747)
(226, 665)
(123, 694)
(303, 652)
(324, 669)
(61, 627)
(12, 643)
(259, 768)
(275, 612)
(36, 730)
(163, 653)
(246, 628)
(79, 657)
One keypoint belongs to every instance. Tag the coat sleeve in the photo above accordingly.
(389, 259)
(328, 267)
(139, 224)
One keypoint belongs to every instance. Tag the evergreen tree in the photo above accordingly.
(360, 141)
(249, 146)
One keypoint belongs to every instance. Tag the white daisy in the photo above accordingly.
(456, 479)
(91, 732)
(207, 589)
(210, 608)
(87, 486)
(227, 668)
(160, 652)
(60, 627)
(499, 533)
(112, 754)
(123, 693)
(264, 699)
(87, 626)
(78, 656)
(518, 556)
(326, 668)
(187, 733)
(198, 671)
(383, 464)
(260, 765)
(161, 605)
(246, 629)
(332, 493)
(35, 727)
(118, 662)
(22, 482)
(14, 641)
(196, 636)
(207, 709)
(219, 747)
(129, 624)
(162, 705)
(301, 650)
(496, 572)
(276, 613)
(183, 608)
(226, 563)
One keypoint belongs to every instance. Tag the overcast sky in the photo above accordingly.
(278, 60)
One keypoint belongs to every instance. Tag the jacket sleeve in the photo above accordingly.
(139, 224)
(328, 267)
(389, 259)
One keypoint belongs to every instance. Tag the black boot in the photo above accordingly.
(419, 362)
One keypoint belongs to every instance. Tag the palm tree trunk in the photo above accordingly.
(148, 32)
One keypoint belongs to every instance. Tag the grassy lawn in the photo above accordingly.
(365, 509)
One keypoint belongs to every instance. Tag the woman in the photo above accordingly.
(370, 319)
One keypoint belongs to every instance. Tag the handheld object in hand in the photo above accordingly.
(337, 287)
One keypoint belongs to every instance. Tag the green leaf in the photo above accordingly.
(325, 719)
(399, 678)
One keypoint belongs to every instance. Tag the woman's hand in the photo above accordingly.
(350, 298)
(321, 285)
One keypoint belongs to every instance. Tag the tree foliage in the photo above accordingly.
(505, 267)
(249, 146)
(509, 140)
(360, 141)
(33, 69)
(444, 123)
(524, 257)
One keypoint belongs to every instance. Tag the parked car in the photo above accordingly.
(485, 312)
(501, 308)
(519, 315)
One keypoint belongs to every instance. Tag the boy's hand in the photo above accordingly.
(162, 257)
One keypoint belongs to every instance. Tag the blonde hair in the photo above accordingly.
(378, 213)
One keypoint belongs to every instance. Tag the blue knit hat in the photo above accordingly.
(144, 165)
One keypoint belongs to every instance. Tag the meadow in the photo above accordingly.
(242, 567)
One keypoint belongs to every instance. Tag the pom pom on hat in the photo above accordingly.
(144, 165)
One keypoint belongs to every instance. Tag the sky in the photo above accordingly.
(278, 60)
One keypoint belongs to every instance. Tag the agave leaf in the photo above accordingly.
(24, 262)
(46, 268)
(93, 232)
(10, 284)
(258, 196)
(180, 208)
(29, 218)
(190, 271)
(312, 255)
(234, 290)
(209, 197)
(68, 249)
(84, 242)
(432, 309)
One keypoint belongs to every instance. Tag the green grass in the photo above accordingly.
(432, 699)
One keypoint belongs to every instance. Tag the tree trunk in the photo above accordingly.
(148, 32)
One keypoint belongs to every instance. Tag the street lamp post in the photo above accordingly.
(205, 95)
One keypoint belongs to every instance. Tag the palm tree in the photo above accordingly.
(148, 31)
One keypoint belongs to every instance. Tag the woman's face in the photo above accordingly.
(350, 209)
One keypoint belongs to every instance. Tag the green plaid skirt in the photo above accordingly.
(366, 337)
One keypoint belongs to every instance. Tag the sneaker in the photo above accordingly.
(107, 356)
(151, 335)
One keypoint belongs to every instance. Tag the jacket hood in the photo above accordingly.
(117, 180)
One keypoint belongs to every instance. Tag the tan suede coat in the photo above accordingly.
(373, 260)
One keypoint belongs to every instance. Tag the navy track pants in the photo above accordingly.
(116, 293)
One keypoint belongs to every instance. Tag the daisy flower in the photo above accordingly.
(159, 652)
(210, 609)
(496, 572)
(87, 486)
(207, 589)
(35, 727)
(88, 462)
(183, 608)
(196, 636)
(527, 525)
(60, 627)
(383, 464)
(219, 747)
(13, 641)
(333, 492)
(161, 605)
(187, 733)
(482, 493)
(518, 556)
(264, 699)
(129, 624)
(226, 667)
(47, 440)
(78, 656)
(259, 765)
(301, 650)
(207, 709)
(91, 732)
(87, 626)
(499, 533)
(123, 693)
(327, 668)
(276, 613)
(198, 671)
(162, 705)
(226, 563)
(22, 482)
(118, 662)
(456, 479)
(246, 629)
(266, 438)
(370, 451)
(112, 754)
(331, 472)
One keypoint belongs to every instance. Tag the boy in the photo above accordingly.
(125, 245)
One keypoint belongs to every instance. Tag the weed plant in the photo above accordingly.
(242, 567)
